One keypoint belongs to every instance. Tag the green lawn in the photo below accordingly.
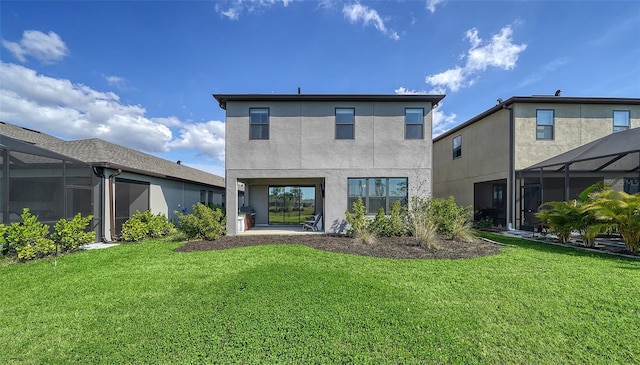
(145, 303)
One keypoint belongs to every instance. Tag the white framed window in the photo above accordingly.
(259, 123)
(621, 120)
(345, 123)
(414, 123)
(544, 124)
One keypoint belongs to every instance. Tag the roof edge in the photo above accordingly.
(224, 98)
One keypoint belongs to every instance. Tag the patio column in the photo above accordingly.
(231, 205)
(566, 182)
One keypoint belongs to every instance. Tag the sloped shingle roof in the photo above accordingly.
(106, 154)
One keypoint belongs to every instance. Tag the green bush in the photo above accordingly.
(28, 239)
(70, 234)
(134, 229)
(143, 225)
(157, 224)
(361, 226)
(392, 224)
(204, 223)
(442, 215)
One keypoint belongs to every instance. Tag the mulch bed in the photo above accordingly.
(387, 247)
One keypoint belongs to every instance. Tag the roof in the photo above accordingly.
(13, 144)
(101, 153)
(540, 99)
(614, 151)
(26, 134)
(224, 98)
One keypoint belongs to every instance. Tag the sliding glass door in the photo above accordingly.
(291, 204)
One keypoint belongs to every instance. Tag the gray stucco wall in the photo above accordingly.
(575, 125)
(485, 157)
(485, 145)
(302, 145)
(165, 196)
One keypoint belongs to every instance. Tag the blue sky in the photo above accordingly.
(141, 73)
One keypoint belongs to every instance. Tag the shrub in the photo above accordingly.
(145, 225)
(421, 225)
(360, 224)
(134, 229)
(204, 223)
(70, 234)
(442, 215)
(28, 239)
(390, 225)
(157, 224)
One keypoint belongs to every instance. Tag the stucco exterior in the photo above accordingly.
(302, 149)
(501, 142)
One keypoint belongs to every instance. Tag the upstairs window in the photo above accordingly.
(259, 123)
(544, 124)
(345, 121)
(457, 147)
(621, 120)
(414, 123)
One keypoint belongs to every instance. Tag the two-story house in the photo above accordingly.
(487, 161)
(300, 155)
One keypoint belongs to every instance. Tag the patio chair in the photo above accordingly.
(312, 224)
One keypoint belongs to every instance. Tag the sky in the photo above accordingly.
(142, 73)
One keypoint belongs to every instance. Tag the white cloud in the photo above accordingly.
(357, 12)
(234, 8)
(453, 79)
(207, 137)
(75, 111)
(46, 48)
(500, 52)
(431, 5)
(442, 121)
(404, 91)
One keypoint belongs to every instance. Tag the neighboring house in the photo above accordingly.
(57, 179)
(301, 155)
(488, 161)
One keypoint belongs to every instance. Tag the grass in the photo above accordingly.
(145, 303)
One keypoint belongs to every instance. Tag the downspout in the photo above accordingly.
(511, 186)
(99, 172)
(112, 203)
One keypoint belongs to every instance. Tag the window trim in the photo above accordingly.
(406, 123)
(268, 123)
(627, 126)
(552, 125)
(352, 124)
(459, 149)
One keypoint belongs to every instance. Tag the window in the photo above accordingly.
(259, 120)
(345, 119)
(457, 147)
(414, 123)
(544, 124)
(620, 120)
(376, 193)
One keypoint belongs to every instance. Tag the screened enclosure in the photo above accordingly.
(50, 185)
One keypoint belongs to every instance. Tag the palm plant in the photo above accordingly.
(561, 217)
(619, 211)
